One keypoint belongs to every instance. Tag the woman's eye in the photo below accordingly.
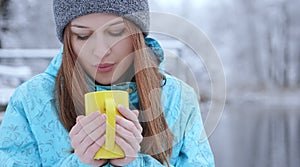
(117, 32)
(82, 37)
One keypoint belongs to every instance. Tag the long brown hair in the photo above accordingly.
(157, 135)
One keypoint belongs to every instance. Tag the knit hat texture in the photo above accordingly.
(136, 11)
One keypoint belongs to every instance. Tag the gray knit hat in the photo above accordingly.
(65, 11)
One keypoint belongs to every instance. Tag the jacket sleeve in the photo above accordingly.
(145, 161)
(194, 150)
(18, 146)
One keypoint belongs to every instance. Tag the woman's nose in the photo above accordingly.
(102, 47)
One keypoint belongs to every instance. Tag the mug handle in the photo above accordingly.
(110, 123)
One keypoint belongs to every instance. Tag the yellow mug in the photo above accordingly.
(107, 102)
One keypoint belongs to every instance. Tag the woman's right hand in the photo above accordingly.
(87, 136)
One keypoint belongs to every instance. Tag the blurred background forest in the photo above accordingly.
(258, 44)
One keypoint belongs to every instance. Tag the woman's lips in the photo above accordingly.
(104, 67)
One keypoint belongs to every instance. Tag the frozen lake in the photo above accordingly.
(260, 131)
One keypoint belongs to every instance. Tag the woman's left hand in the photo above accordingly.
(128, 135)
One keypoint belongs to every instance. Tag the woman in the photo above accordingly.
(104, 47)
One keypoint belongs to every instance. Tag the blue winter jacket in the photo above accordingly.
(32, 135)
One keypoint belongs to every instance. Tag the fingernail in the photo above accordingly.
(95, 113)
(120, 106)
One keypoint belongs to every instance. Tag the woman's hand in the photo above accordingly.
(87, 136)
(128, 135)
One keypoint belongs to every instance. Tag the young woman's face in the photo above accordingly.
(103, 45)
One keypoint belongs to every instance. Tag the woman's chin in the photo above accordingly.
(104, 82)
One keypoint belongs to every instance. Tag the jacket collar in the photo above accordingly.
(129, 87)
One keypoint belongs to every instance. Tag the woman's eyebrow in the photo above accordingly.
(118, 22)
